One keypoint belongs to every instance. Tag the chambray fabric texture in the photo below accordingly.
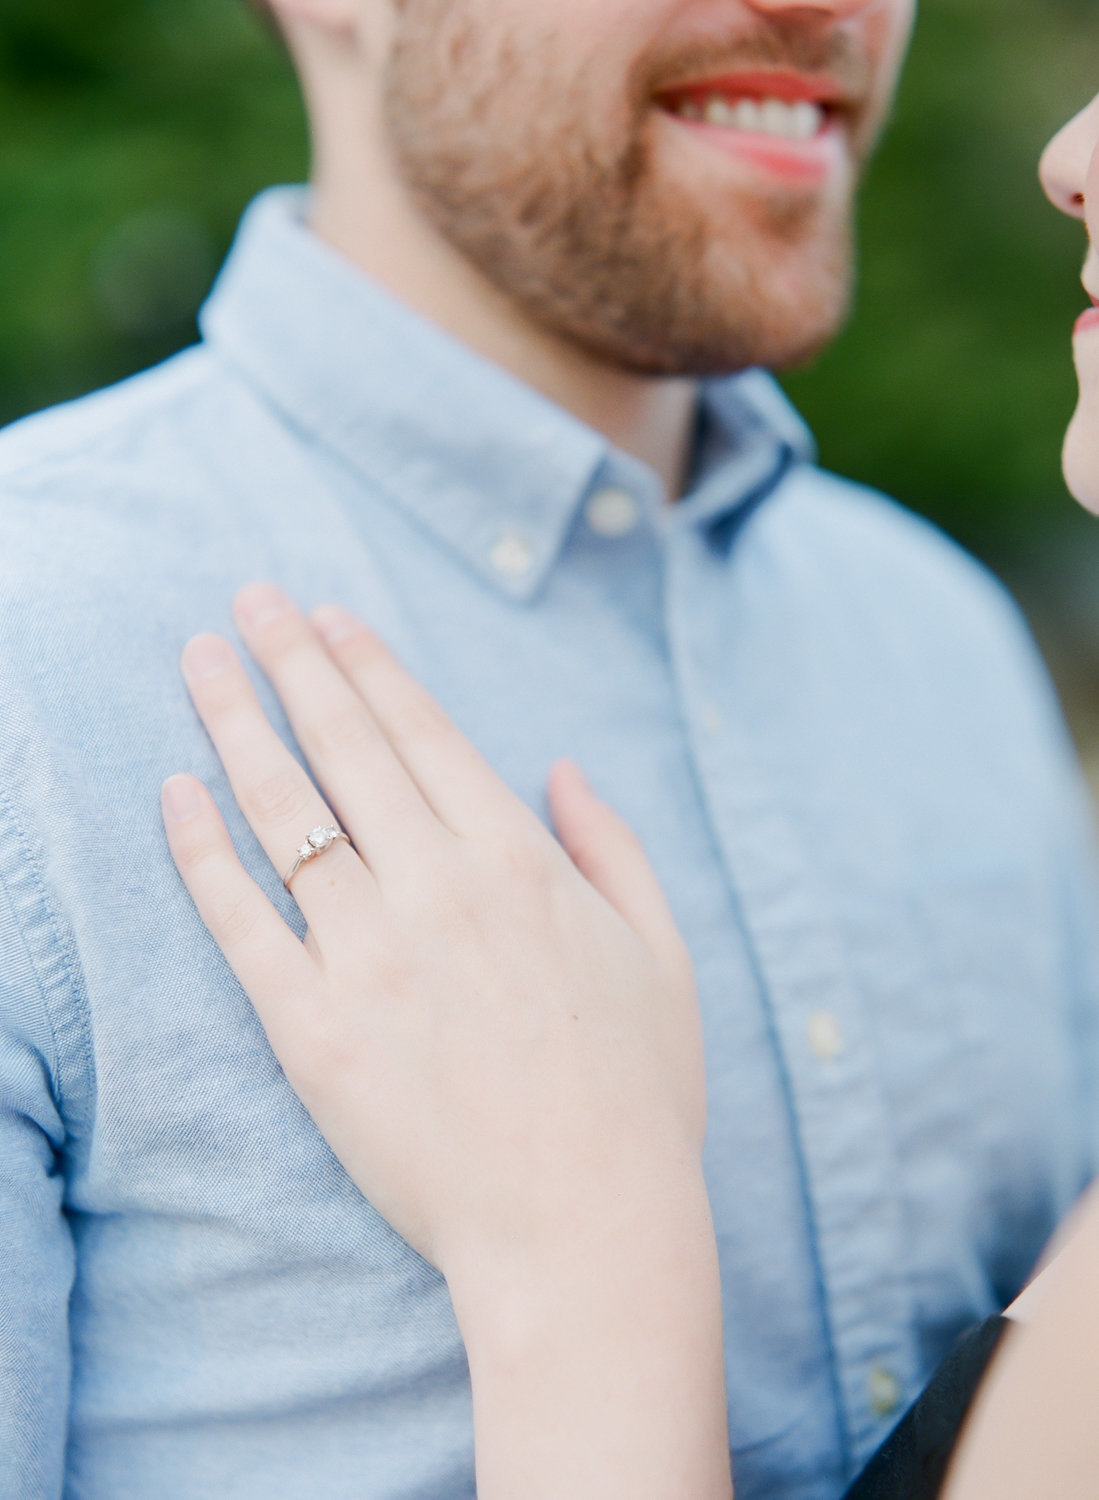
(833, 735)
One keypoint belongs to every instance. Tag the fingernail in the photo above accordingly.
(259, 604)
(180, 800)
(205, 657)
(334, 624)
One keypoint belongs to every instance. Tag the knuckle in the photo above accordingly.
(234, 917)
(280, 798)
(347, 730)
(419, 717)
(193, 852)
(520, 859)
(448, 894)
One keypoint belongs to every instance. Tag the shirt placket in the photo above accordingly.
(816, 1014)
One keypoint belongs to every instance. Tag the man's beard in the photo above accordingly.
(546, 183)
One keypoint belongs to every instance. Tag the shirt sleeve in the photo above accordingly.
(36, 1247)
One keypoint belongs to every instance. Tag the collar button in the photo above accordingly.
(612, 512)
(512, 555)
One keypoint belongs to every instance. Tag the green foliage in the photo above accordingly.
(135, 130)
(954, 383)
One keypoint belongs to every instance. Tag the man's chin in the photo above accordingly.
(719, 345)
(715, 319)
(802, 347)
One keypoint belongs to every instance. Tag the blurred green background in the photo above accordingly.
(134, 131)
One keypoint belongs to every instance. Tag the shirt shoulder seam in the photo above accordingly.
(58, 977)
(86, 441)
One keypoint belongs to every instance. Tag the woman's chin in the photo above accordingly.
(1081, 452)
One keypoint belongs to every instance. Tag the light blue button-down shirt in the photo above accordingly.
(829, 728)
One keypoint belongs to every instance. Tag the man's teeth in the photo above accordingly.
(799, 121)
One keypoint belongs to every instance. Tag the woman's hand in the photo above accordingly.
(470, 1014)
(502, 1045)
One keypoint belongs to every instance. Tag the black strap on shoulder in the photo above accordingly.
(912, 1462)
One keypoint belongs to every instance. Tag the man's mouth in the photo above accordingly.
(788, 122)
(788, 106)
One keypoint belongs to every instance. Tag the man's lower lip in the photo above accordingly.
(809, 163)
(1088, 321)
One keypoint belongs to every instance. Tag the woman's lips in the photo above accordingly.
(1088, 321)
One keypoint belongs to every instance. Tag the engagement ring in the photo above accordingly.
(316, 844)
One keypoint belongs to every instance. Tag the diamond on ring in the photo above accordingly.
(316, 844)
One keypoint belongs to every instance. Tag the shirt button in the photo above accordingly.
(711, 718)
(612, 513)
(885, 1392)
(512, 555)
(825, 1035)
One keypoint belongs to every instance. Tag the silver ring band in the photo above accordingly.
(318, 843)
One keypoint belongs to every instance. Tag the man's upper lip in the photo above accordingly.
(760, 83)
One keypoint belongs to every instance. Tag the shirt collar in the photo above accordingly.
(483, 461)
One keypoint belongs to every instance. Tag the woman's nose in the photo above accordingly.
(1065, 162)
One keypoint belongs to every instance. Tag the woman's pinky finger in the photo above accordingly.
(265, 955)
